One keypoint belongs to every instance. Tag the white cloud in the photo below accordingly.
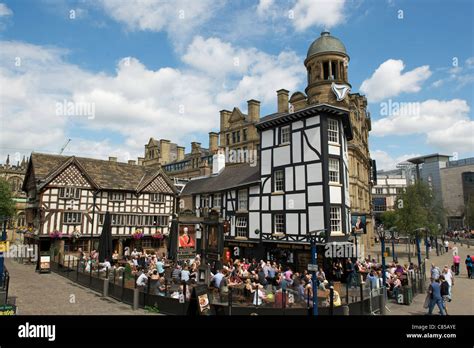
(326, 13)
(134, 103)
(389, 81)
(446, 124)
(458, 137)
(387, 162)
(264, 6)
(4, 10)
(177, 18)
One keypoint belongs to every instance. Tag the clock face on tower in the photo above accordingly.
(340, 90)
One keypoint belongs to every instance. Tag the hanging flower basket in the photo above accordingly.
(56, 235)
(138, 234)
(75, 235)
(158, 236)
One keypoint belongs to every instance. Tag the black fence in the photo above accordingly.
(174, 298)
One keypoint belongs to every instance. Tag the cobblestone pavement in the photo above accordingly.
(462, 300)
(52, 294)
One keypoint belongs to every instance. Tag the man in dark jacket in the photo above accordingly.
(436, 299)
(444, 292)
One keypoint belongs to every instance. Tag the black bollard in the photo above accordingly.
(361, 299)
(331, 300)
(230, 301)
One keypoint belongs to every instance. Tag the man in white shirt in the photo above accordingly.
(105, 266)
(142, 279)
(446, 245)
(449, 277)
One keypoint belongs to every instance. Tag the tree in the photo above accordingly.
(7, 204)
(435, 214)
(410, 212)
(389, 219)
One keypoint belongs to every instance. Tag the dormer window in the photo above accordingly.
(69, 193)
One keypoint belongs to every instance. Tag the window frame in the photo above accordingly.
(76, 192)
(279, 224)
(334, 169)
(277, 180)
(243, 227)
(240, 200)
(283, 134)
(333, 132)
(335, 210)
(112, 196)
(71, 213)
(158, 198)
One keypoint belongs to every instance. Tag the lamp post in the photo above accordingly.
(381, 235)
(392, 235)
(315, 237)
(94, 197)
(418, 248)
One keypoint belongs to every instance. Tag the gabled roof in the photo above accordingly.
(233, 176)
(236, 115)
(103, 175)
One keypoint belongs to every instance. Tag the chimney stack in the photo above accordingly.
(213, 141)
(132, 162)
(225, 116)
(282, 95)
(253, 109)
(180, 153)
(195, 147)
(112, 159)
(140, 161)
(165, 151)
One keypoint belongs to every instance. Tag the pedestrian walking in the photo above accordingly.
(456, 262)
(435, 272)
(435, 297)
(469, 265)
(449, 278)
(446, 245)
(444, 292)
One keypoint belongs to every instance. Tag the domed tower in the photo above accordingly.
(327, 63)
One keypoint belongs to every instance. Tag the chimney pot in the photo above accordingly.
(282, 96)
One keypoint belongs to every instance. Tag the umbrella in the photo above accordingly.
(105, 240)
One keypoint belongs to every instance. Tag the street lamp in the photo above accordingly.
(315, 237)
(392, 235)
(417, 240)
(381, 235)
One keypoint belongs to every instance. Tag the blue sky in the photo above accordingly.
(164, 69)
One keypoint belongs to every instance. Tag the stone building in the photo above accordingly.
(457, 187)
(239, 138)
(159, 152)
(14, 174)
(390, 184)
(196, 163)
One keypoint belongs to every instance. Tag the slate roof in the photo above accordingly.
(230, 177)
(105, 174)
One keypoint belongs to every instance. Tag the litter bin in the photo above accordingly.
(407, 295)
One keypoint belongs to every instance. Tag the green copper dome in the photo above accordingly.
(326, 43)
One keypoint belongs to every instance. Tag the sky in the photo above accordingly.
(110, 74)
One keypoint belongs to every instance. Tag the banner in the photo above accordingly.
(358, 223)
(186, 242)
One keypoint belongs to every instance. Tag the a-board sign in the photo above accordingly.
(45, 264)
(7, 310)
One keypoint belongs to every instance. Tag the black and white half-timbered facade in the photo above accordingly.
(300, 185)
(71, 195)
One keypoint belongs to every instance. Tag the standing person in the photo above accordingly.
(160, 267)
(435, 272)
(142, 280)
(435, 297)
(449, 278)
(469, 265)
(446, 245)
(350, 272)
(185, 274)
(444, 292)
(456, 262)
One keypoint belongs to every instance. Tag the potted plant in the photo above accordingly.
(56, 234)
